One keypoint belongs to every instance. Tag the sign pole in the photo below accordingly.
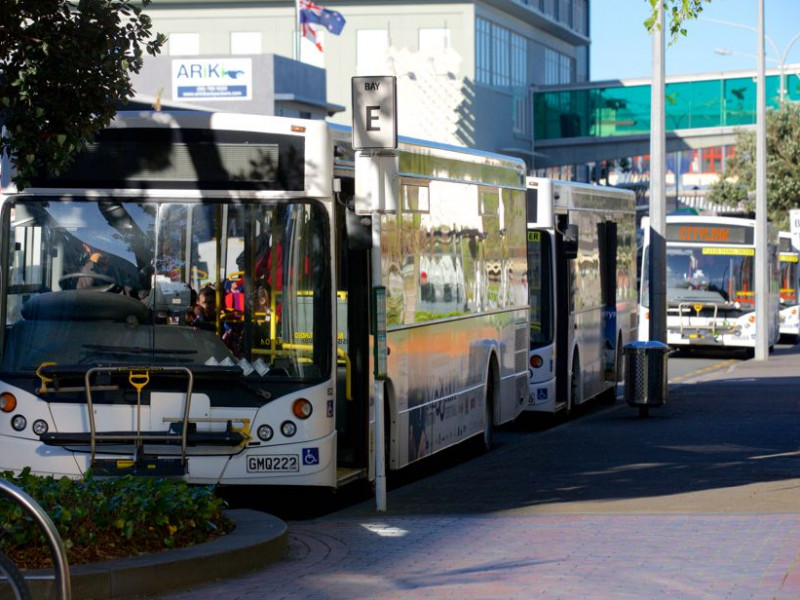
(375, 133)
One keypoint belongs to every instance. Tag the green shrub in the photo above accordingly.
(100, 519)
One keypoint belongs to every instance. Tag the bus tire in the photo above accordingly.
(14, 578)
(486, 438)
(574, 396)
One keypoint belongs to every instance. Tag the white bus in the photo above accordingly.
(582, 288)
(787, 259)
(193, 298)
(711, 283)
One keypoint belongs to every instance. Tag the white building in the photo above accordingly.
(464, 68)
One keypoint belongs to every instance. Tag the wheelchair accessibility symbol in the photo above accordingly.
(310, 456)
(541, 394)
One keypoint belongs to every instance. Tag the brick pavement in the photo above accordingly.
(619, 557)
(692, 545)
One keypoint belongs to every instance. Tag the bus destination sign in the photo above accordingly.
(709, 234)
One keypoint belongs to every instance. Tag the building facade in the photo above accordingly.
(464, 69)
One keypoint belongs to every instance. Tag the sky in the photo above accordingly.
(622, 49)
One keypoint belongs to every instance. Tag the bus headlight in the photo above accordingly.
(8, 402)
(288, 428)
(40, 427)
(302, 408)
(19, 423)
(265, 433)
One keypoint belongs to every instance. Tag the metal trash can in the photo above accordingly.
(645, 374)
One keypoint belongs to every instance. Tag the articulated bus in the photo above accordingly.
(787, 259)
(711, 283)
(192, 298)
(582, 288)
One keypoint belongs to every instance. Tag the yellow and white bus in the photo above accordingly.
(790, 306)
(192, 297)
(711, 283)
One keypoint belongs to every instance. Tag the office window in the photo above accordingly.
(519, 60)
(371, 46)
(712, 160)
(565, 11)
(245, 42)
(558, 68)
(184, 44)
(566, 68)
(483, 65)
(434, 38)
(550, 66)
(500, 51)
(580, 13)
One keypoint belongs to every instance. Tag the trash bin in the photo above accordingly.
(645, 374)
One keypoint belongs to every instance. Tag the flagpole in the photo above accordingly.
(297, 33)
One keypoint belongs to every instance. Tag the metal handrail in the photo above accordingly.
(53, 538)
(689, 306)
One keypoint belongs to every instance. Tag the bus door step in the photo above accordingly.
(149, 467)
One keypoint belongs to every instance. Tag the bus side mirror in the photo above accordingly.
(359, 231)
(570, 243)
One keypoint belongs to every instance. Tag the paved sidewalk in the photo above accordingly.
(725, 526)
(618, 557)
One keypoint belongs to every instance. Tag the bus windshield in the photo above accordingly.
(147, 282)
(710, 274)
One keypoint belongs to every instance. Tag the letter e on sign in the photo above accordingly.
(374, 113)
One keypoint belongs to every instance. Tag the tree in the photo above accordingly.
(65, 67)
(738, 182)
(678, 11)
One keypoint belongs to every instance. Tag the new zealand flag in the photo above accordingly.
(310, 13)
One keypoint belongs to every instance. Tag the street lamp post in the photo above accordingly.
(780, 57)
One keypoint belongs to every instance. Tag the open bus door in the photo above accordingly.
(353, 276)
(563, 298)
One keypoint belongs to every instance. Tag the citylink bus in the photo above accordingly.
(711, 283)
(192, 298)
(788, 259)
(582, 288)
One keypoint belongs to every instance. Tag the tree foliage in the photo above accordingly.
(676, 13)
(738, 182)
(65, 67)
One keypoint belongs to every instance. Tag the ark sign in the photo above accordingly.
(212, 79)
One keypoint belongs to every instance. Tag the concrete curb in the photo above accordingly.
(259, 539)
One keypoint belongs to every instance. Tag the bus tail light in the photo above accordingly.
(536, 361)
(302, 408)
(7, 402)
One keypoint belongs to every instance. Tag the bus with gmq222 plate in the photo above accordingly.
(711, 282)
(582, 285)
(109, 361)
